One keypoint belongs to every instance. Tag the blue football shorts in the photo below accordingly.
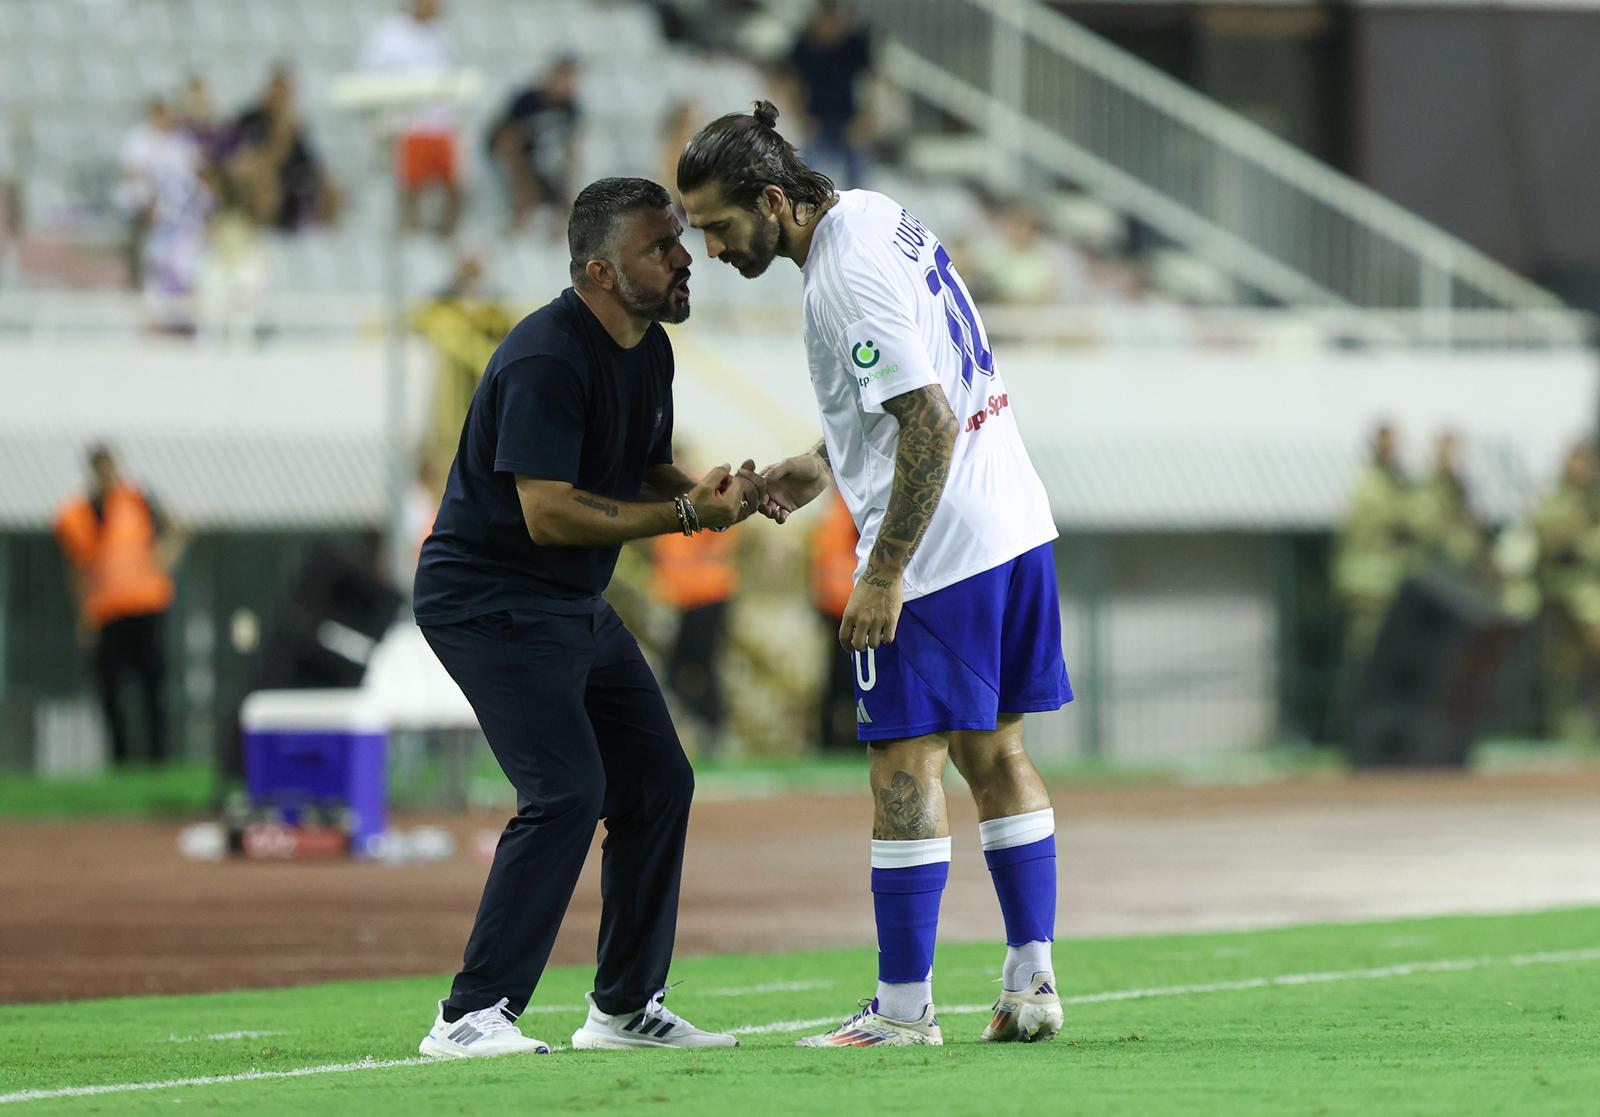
(987, 645)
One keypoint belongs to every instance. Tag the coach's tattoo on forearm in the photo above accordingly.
(875, 580)
(927, 438)
(903, 813)
(598, 505)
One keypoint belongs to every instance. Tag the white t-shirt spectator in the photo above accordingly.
(401, 43)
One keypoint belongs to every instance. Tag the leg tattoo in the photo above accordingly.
(903, 812)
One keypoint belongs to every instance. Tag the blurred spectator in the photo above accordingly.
(167, 201)
(465, 322)
(234, 271)
(829, 63)
(197, 118)
(13, 131)
(697, 576)
(122, 551)
(135, 192)
(1567, 524)
(422, 506)
(833, 577)
(1021, 263)
(428, 152)
(282, 183)
(678, 127)
(1374, 551)
(1449, 536)
(534, 143)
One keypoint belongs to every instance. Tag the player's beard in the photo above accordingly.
(640, 303)
(765, 244)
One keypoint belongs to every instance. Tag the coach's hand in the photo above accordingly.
(792, 484)
(721, 499)
(872, 615)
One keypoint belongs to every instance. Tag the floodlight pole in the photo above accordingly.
(397, 551)
(385, 99)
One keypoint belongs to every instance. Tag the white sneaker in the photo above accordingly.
(1030, 1015)
(654, 1025)
(868, 1028)
(488, 1031)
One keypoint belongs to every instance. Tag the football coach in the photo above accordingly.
(565, 455)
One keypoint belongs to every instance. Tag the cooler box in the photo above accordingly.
(310, 747)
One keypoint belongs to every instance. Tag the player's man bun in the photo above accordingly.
(744, 154)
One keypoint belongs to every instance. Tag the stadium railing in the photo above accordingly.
(1051, 96)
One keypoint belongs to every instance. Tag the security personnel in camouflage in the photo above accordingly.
(1567, 524)
(1376, 548)
(1450, 539)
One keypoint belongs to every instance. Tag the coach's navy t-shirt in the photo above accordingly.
(560, 401)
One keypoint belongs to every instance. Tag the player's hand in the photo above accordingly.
(755, 488)
(721, 499)
(792, 484)
(872, 615)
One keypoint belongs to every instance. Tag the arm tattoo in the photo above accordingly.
(928, 431)
(598, 505)
(903, 813)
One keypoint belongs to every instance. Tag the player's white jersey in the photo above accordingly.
(885, 312)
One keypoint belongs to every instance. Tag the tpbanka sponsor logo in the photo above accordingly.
(996, 405)
(878, 374)
(864, 355)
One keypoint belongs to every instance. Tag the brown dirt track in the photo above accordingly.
(101, 910)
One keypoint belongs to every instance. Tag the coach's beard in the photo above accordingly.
(672, 307)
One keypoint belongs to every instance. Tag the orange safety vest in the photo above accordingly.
(833, 559)
(694, 570)
(115, 557)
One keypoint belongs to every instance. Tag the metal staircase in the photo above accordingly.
(1052, 97)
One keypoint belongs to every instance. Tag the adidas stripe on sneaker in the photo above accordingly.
(486, 1032)
(654, 1025)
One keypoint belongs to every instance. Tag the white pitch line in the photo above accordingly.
(211, 1080)
(218, 1036)
(1449, 965)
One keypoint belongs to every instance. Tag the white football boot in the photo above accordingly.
(654, 1025)
(488, 1031)
(1030, 1015)
(868, 1028)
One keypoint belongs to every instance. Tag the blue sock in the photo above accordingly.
(1021, 852)
(908, 880)
(1025, 882)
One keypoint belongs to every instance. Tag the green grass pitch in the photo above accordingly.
(1441, 1016)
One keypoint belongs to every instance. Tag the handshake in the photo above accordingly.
(725, 497)
(872, 615)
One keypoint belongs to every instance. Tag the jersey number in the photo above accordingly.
(966, 332)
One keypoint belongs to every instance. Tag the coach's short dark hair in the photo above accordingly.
(743, 154)
(593, 226)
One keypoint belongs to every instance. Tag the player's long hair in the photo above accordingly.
(743, 154)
